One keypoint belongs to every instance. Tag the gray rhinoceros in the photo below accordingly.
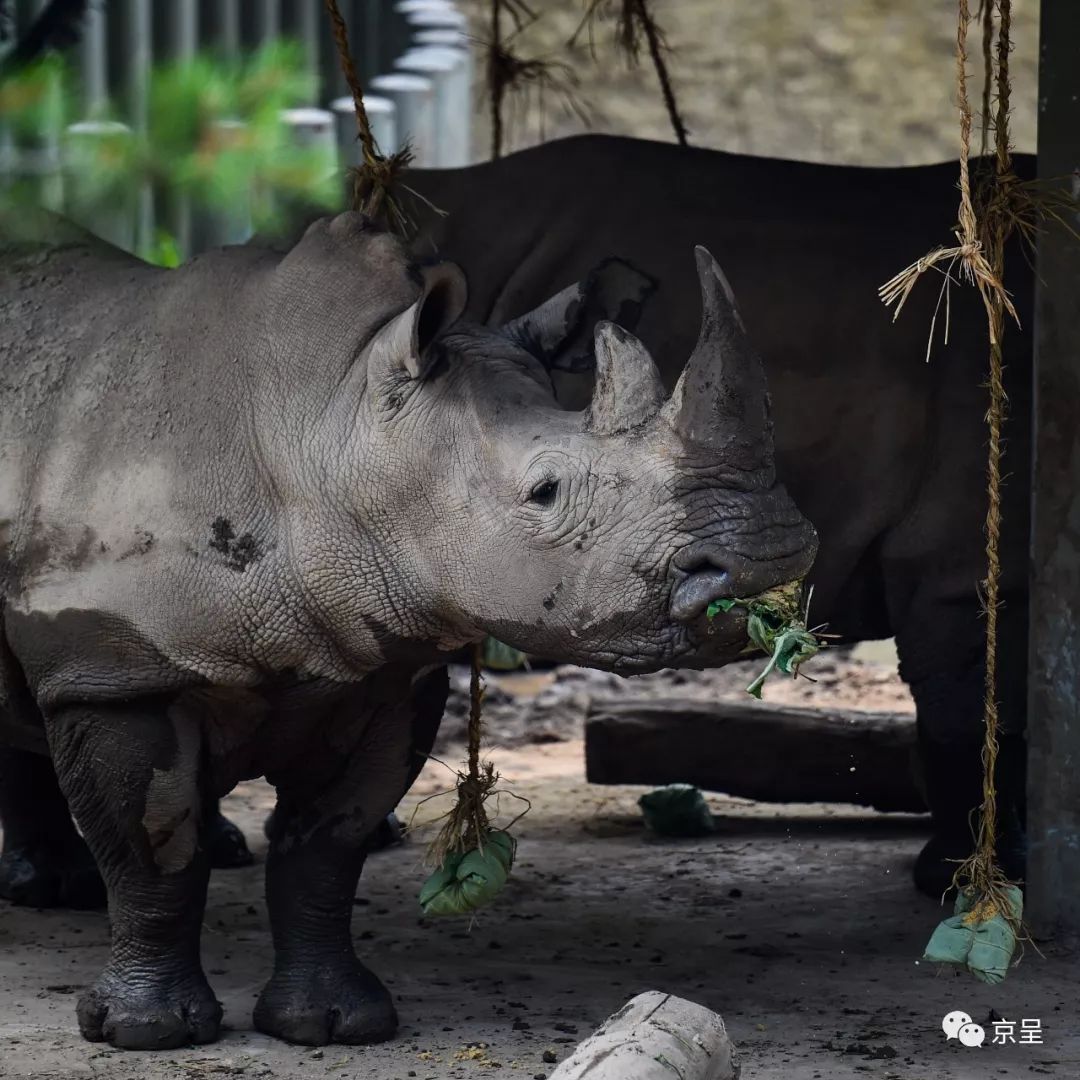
(249, 505)
(884, 451)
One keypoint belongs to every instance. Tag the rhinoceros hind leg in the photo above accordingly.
(225, 842)
(131, 776)
(953, 785)
(45, 863)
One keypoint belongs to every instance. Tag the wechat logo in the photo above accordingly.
(958, 1025)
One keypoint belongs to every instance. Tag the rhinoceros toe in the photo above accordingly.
(324, 1006)
(132, 1015)
(44, 879)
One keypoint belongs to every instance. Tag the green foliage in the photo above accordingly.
(214, 135)
(775, 625)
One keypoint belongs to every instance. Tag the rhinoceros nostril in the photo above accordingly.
(698, 558)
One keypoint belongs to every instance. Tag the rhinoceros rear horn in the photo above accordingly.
(629, 391)
(722, 388)
(405, 342)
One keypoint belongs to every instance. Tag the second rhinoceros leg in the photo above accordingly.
(131, 776)
(225, 843)
(45, 862)
(320, 992)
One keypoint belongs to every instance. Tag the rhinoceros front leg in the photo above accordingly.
(320, 992)
(131, 777)
(45, 863)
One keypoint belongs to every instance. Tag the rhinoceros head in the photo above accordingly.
(597, 537)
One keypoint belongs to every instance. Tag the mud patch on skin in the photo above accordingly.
(171, 818)
(241, 551)
(144, 541)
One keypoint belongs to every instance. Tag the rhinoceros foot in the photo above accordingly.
(45, 878)
(326, 1004)
(149, 1015)
(226, 845)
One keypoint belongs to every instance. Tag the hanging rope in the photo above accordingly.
(635, 21)
(509, 72)
(981, 868)
(987, 900)
(375, 179)
(472, 861)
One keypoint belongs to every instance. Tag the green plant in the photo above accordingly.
(213, 135)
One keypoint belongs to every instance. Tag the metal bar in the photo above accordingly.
(267, 20)
(180, 41)
(92, 62)
(228, 13)
(1053, 871)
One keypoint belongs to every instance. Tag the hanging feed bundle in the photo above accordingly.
(472, 860)
(468, 880)
(776, 624)
(981, 934)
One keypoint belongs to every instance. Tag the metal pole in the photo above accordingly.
(182, 30)
(92, 62)
(1053, 871)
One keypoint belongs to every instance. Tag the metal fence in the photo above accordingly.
(414, 58)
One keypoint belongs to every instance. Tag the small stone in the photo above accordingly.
(548, 1057)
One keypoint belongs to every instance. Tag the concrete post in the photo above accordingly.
(446, 70)
(109, 214)
(414, 101)
(382, 116)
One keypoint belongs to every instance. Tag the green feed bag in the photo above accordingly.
(467, 881)
(677, 810)
(985, 947)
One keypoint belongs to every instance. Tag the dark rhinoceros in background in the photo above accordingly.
(884, 451)
(248, 506)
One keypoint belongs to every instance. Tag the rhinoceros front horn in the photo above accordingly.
(629, 391)
(722, 390)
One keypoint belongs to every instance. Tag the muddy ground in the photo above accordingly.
(797, 923)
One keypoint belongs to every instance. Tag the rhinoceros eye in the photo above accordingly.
(544, 493)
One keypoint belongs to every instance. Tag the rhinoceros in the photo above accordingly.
(881, 444)
(247, 508)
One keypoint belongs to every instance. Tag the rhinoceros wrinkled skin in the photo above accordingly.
(249, 505)
(884, 451)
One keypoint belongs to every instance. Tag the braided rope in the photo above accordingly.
(374, 180)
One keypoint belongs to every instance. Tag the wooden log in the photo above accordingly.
(654, 1036)
(756, 751)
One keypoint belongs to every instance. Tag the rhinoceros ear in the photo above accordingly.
(405, 343)
(561, 331)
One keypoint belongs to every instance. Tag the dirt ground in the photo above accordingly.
(797, 923)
